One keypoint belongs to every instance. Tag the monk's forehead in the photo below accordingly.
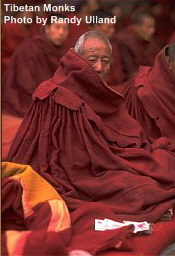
(96, 45)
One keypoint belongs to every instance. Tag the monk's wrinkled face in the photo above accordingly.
(146, 29)
(57, 32)
(99, 55)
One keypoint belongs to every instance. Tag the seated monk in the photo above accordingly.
(34, 61)
(150, 96)
(78, 135)
(136, 44)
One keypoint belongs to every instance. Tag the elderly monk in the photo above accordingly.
(150, 95)
(78, 135)
(136, 43)
(115, 75)
(35, 61)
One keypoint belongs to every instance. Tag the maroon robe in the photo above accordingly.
(172, 38)
(116, 75)
(135, 51)
(12, 36)
(150, 98)
(78, 135)
(35, 61)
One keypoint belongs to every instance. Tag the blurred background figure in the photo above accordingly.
(34, 61)
(136, 43)
(164, 21)
(115, 74)
(13, 34)
(106, 28)
(117, 11)
(150, 95)
(136, 7)
(83, 8)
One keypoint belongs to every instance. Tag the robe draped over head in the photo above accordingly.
(78, 135)
(150, 98)
(34, 61)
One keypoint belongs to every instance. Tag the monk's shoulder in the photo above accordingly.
(44, 90)
(59, 94)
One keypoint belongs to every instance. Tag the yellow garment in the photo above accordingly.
(37, 190)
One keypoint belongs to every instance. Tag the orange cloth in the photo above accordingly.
(27, 198)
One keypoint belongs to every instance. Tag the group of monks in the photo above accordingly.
(97, 120)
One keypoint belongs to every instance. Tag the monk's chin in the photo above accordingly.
(57, 43)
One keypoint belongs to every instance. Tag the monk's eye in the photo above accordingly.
(105, 62)
(92, 60)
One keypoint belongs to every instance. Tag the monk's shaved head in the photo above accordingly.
(96, 35)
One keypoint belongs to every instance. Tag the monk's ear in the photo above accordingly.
(168, 61)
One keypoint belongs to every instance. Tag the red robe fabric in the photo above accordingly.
(35, 61)
(150, 98)
(12, 36)
(10, 125)
(35, 223)
(164, 28)
(78, 135)
(116, 75)
(134, 51)
(172, 38)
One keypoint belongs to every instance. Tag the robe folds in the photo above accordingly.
(79, 137)
(34, 61)
(150, 98)
(35, 223)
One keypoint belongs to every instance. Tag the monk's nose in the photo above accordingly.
(61, 31)
(98, 66)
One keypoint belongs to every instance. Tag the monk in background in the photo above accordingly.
(162, 11)
(150, 95)
(13, 34)
(136, 44)
(34, 61)
(83, 8)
